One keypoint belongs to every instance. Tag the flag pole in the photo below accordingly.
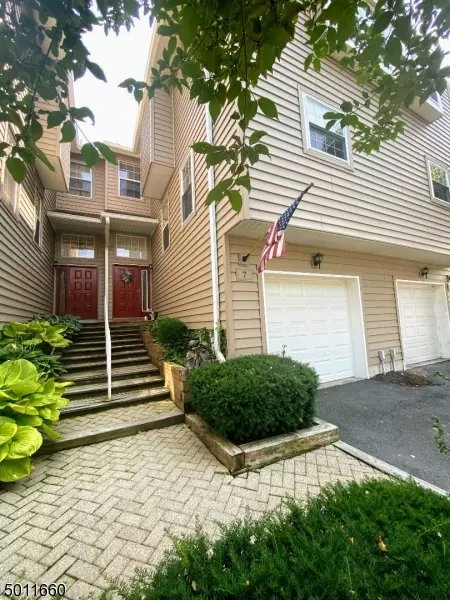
(247, 256)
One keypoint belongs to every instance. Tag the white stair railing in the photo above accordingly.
(108, 348)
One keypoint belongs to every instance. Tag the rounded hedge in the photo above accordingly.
(254, 397)
(377, 540)
(172, 334)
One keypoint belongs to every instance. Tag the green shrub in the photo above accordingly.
(29, 405)
(172, 334)
(71, 322)
(253, 397)
(47, 364)
(374, 541)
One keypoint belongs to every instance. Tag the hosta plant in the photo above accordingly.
(34, 333)
(47, 364)
(71, 322)
(29, 405)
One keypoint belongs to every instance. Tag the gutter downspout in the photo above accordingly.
(213, 245)
(106, 309)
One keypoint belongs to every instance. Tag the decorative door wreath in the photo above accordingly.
(127, 276)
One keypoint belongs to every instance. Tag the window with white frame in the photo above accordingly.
(144, 290)
(131, 246)
(165, 235)
(334, 141)
(440, 181)
(10, 187)
(80, 183)
(187, 188)
(77, 246)
(129, 180)
(38, 220)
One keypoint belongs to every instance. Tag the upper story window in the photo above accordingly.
(80, 179)
(131, 246)
(129, 180)
(334, 141)
(440, 182)
(165, 235)
(38, 220)
(187, 188)
(77, 246)
(10, 187)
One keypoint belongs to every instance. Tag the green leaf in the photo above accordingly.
(191, 69)
(244, 180)
(347, 107)
(50, 432)
(17, 169)
(383, 21)
(268, 56)
(256, 136)
(96, 70)
(90, 154)
(268, 107)
(171, 46)
(235, 198)
(23, 409)
(202, 147)
(127, 83)
(138, 94)
(82, 113)
(25, 442)
(394, 51)
(308, 61)
(36, 130)
(189, 24)
(218, 192)
(68, 132)
(106, 152)
(214, 108)
(261, 149)
(56, 118)
(12, 470)
(8, 429)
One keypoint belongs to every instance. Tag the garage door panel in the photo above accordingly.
(311, 319)
(417, 307)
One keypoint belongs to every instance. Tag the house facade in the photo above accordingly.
(365, 282)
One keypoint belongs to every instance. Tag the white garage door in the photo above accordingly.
(311, 319)
(419, 323)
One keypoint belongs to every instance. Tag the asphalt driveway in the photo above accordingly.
(393, 423)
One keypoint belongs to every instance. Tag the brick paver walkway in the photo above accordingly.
(97, 512)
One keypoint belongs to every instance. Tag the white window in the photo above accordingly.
(38, 220)
(80, 179)
(440, 182)
(187, 187)
(10, 187)
(129, 180)
(334, 141)
(77, 246)
(144, 290)
(165, 235)
(131, 246)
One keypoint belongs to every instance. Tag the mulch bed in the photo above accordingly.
(406, 378)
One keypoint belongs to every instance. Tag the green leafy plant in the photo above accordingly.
(172, 334)
(374, 540)
(220, 51)
(440, 437)
(29, 405)
(253, 397)
(34, 334)
(47, 364)
(71, 322)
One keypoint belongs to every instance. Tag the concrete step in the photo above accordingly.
(101, 341)
(92, 428)
(83, 406)
(91, 390)
(80, 356)
(123, 372)
(98, 337)
(98, 363)
(97, 347)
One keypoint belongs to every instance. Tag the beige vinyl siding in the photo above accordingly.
(26, 270)
(49, 141)
(124, 204)
(386, 198)
(114, 260)
(98, 261)
(162, 148)
(83, 204)
(377, 280)
(182, 274)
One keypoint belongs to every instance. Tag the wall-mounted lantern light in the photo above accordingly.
(424, 272)
(317, 260)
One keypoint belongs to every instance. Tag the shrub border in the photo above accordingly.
(253, 455)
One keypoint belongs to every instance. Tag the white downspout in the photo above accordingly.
(106, 309)
(213, 244)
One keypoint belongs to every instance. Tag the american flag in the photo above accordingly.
(275, 246)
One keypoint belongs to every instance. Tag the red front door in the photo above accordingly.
(127, 292)
(83, 299)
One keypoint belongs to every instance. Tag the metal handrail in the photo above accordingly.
(108, 348)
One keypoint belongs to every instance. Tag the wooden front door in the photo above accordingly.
(82, 299)
(127, 292)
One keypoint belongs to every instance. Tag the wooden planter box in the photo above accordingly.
(175, 376)
(253, 455)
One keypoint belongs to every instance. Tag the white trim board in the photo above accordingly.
(356, 316)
